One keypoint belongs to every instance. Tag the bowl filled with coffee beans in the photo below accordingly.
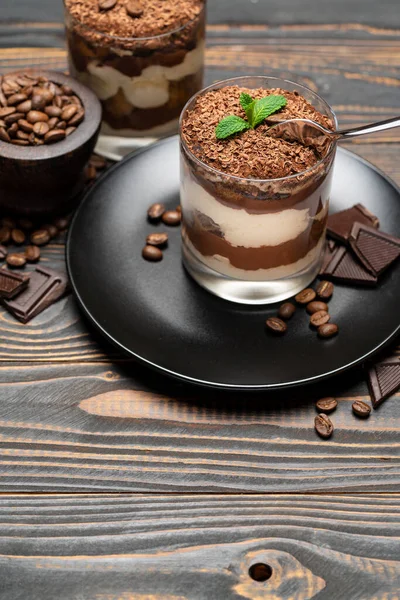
(49, 125)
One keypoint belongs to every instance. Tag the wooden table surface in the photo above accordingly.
(118, 484)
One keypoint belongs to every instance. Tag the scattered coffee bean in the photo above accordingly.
(157, 239)
(316, 306)
(55, 135)
(40, 237)
(152, 253)
(41, 128)
(51, 229)
(16, 260)
(326, 405)
(134, 8)
(90, 173)
(323, 426)
(328, 330)
(61, 223)
(25, 224)
(3, 252)
(8, 222)
(5, 235)
(17, 236)
(171, 217)
(286, 311)
(361, 409)
(98, 162)
(276, 325)
(319, 318)
(106, 4)
(305, 296)
(156, 211)
(325, 290)
(32, 253)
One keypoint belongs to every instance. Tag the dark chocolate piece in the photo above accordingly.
(340, 224)
(375, 249)
(45, 288)
(343, 267)
(330, 248)
(12, 283)
(384, 379)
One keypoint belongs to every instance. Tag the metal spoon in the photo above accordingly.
(311, 133)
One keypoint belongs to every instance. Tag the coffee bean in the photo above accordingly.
(55, 135)
(77, 119)
(17, 236)
(157, 239)
(106, 4)
(20, 142)
(8, 222)
(319, 318)
(25, 126)
(323, 426)
(52, 122)
(40, 128)
(66, 90)
(6, 111)
(25, 224)
(51, 229)
(98, 162)
(40, 237)
(69, 130)
(38, 102)
(5, 235)
(21, 135)
(27, 90)
(36, 116)
(328, 330)
(32, 254)
(305, 296)
(62, 125)
(61, 223)
(3, 252)
(152, 253)
(14, 118)
(76, 100)
(4, 135)
(25, 107)
(326, 405)
(58, 102)
(134, 8)
(16, 260)
(325, 290)
(276, 325)
(36, 141)
(68, 112)
(156, 211)
(16, 99)
(171, 217)
(361, 409)
(52, 111)
(286, 311)
(316, 306)
(12, 131)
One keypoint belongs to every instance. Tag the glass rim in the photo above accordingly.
(327, 156)
(160, 36)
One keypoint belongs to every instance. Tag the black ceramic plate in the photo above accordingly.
(158, 314)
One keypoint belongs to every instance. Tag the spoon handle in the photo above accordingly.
(374, 128)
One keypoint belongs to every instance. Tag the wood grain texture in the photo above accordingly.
(91, 426)
(124, 547)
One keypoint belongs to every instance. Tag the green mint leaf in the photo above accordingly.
(265, 107)
(229, 126)
(245, 101)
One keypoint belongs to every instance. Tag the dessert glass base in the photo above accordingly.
(245, 238)
(247, 291)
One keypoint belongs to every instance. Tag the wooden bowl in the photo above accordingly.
(36, 180)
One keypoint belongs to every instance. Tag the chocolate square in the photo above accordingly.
(46, 287)
(384, 380)
(11, 284)
(345, 268)
(375, 249)
(340, 224)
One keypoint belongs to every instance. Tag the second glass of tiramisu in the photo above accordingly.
(254, 206)
(144, 60)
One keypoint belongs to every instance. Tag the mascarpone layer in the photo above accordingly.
(221, 264)
(241, 228)
(150, 89)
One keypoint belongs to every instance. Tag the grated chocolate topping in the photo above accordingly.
(252, 153)
(157, 17)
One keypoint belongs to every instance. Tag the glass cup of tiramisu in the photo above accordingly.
(254, 206)
(144, 60)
